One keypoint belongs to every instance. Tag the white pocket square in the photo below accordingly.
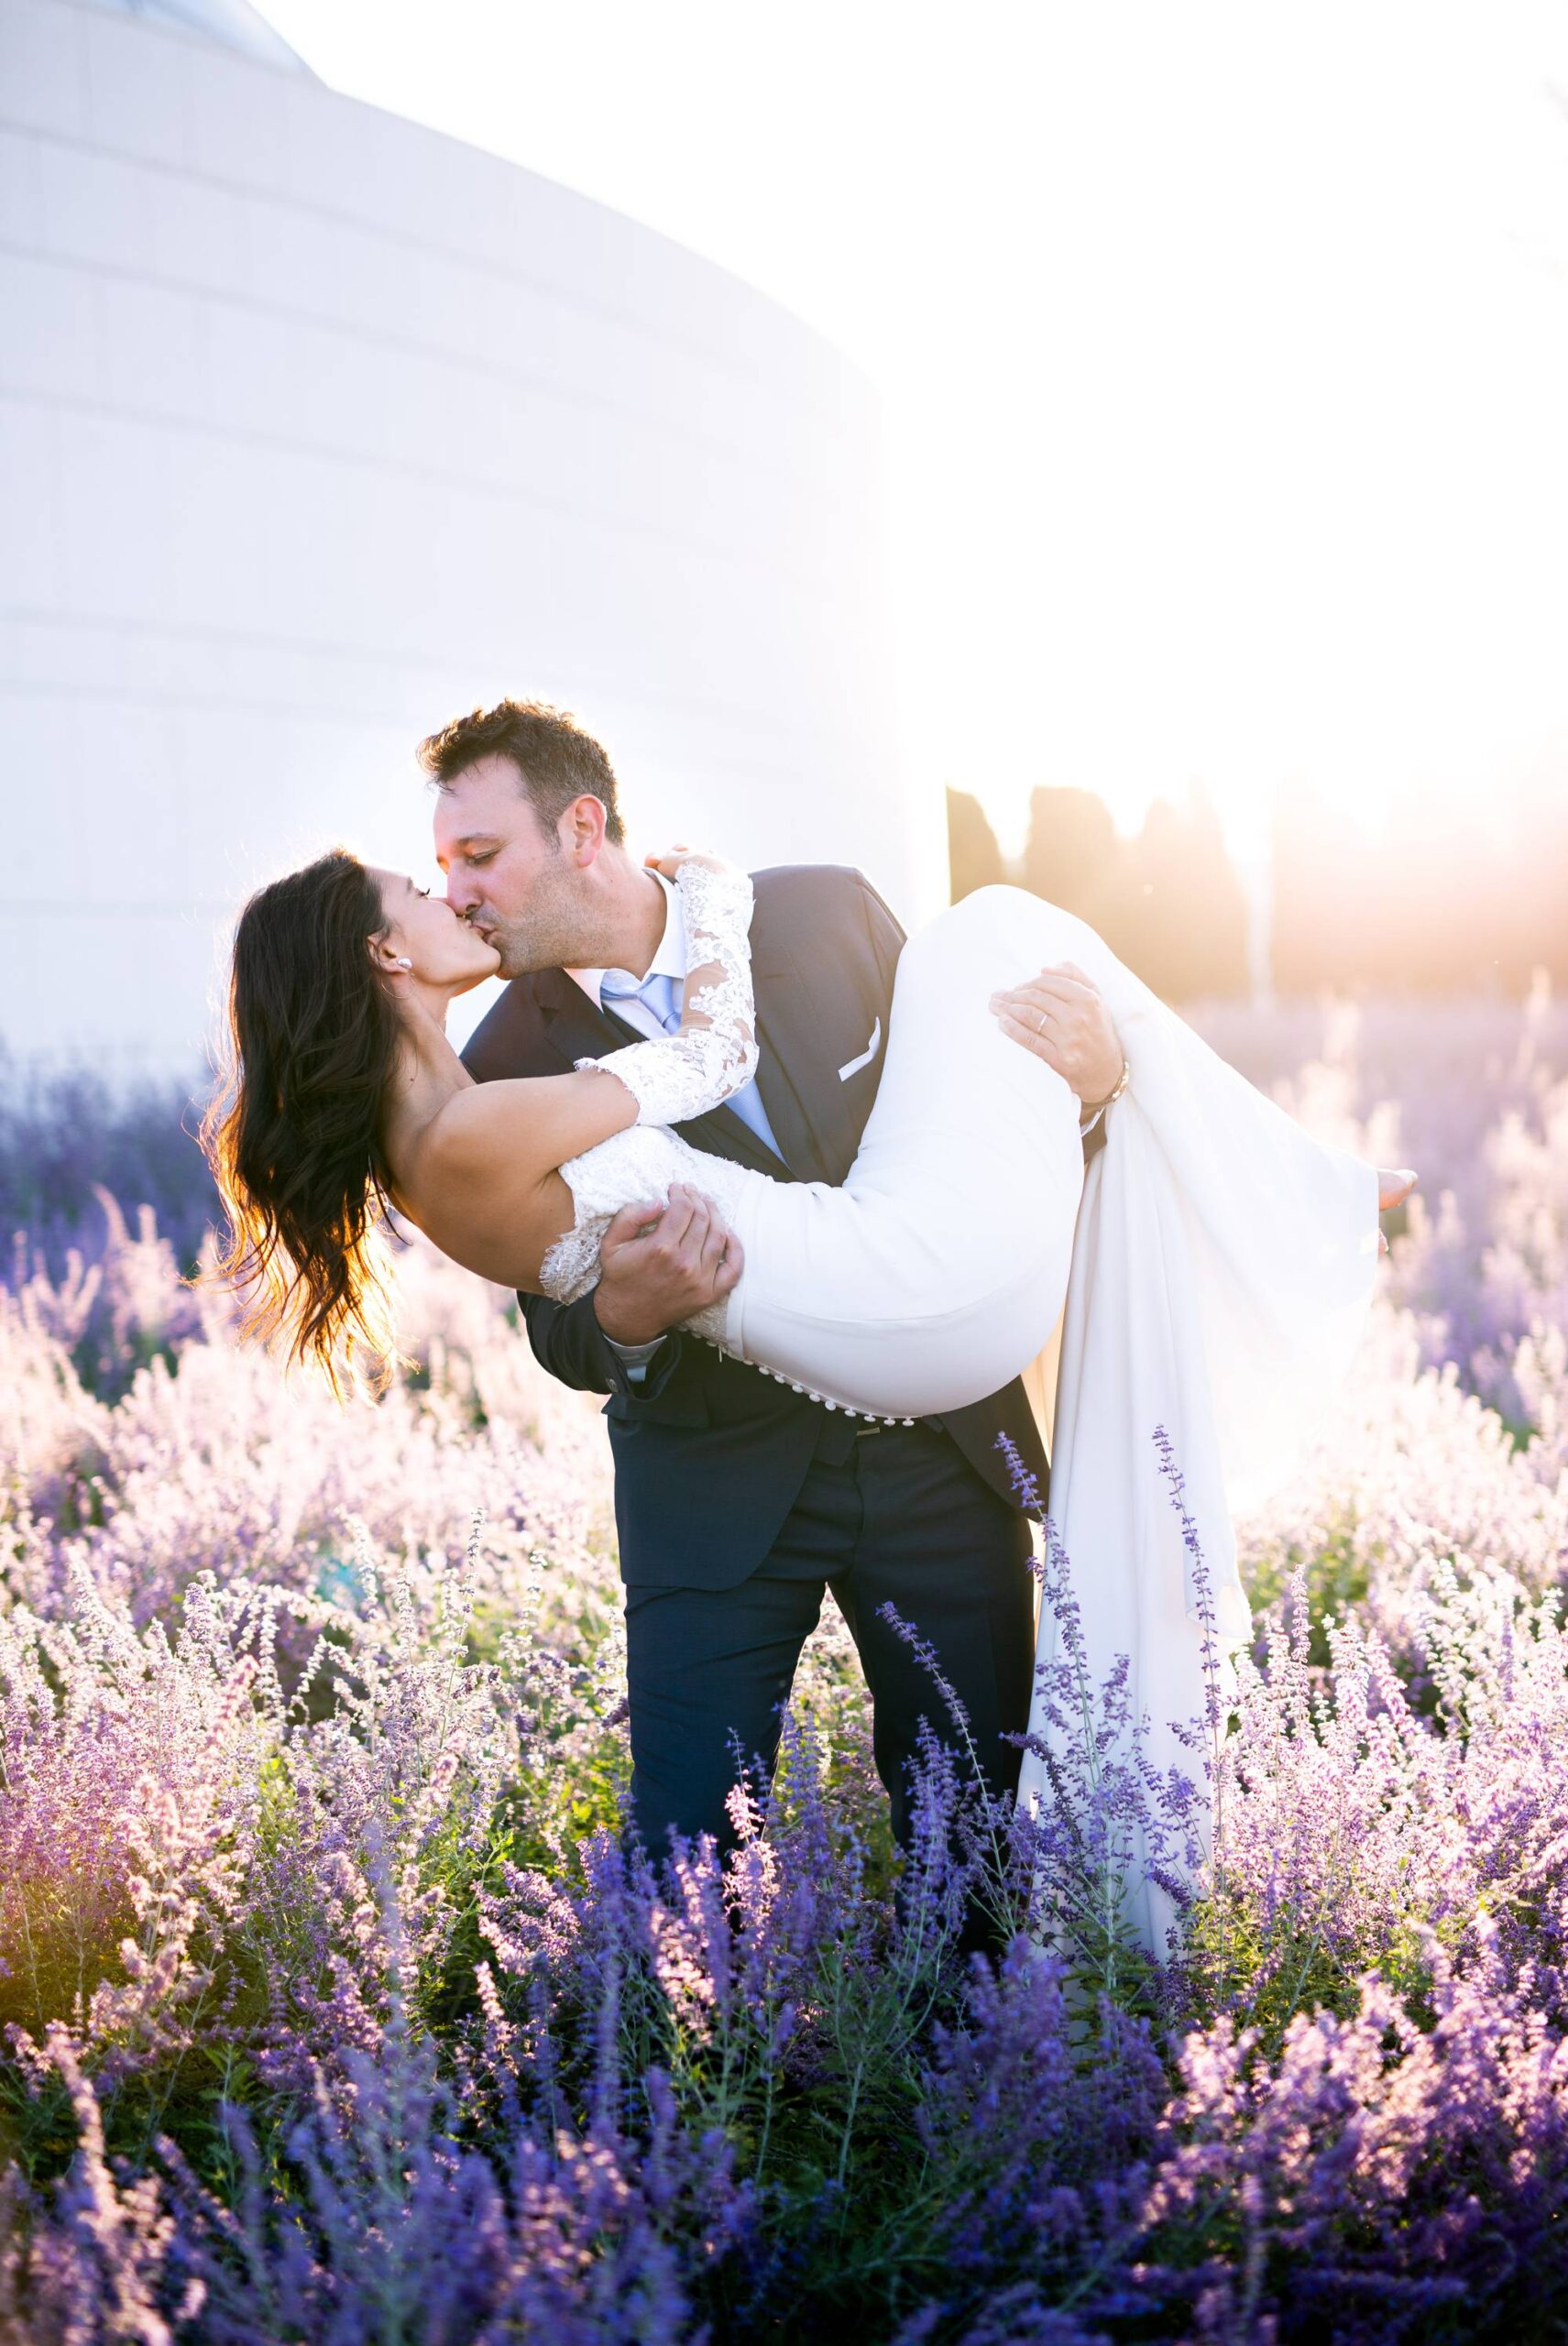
(853, 1067)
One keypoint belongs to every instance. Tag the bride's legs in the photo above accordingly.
(939, 1268)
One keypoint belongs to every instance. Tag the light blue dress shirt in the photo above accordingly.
(658, 994)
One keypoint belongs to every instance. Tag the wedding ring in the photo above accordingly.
(1041, 1028)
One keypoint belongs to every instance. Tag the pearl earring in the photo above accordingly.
(402, 963)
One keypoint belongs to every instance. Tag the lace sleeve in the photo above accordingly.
(714, 1053)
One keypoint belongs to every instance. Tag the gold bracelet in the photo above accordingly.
(1100, 1106)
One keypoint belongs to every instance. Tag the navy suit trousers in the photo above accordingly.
(892, 1515)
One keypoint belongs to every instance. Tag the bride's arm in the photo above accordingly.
(522, 1128)
(715, 1053)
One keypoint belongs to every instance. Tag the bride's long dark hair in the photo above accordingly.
(293, 1134)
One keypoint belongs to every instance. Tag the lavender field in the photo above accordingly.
(332, 2010)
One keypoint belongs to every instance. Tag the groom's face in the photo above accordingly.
(519, 884)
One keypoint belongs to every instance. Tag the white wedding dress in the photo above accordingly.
(1215, 1265)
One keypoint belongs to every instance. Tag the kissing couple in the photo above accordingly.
(804, 1198)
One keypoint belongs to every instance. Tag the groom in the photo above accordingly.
(737, 1501)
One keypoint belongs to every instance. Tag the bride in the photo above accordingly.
(1215, 1265)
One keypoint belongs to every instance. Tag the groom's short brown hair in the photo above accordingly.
(556, 760)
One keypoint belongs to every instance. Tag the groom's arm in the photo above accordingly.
(568, 1341)
(659, 1264)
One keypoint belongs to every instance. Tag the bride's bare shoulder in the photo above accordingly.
(482, 1117)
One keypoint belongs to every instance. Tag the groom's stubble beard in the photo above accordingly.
(553, 931)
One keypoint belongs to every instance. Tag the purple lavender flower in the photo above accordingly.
(338, 2007)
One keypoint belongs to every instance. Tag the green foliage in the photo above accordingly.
(1334, 1572)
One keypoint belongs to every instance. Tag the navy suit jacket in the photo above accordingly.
(709, 1453)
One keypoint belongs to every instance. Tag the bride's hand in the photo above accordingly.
(670, 860)
(1060, 1016)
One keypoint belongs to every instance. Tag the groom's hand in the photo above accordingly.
(1060, 1016)
(659, 1264)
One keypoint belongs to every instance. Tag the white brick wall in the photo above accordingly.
(316, 427)
(43, 68)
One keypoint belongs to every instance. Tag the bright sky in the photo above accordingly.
(1225, 350)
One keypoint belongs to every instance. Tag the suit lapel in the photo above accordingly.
(792, 1126)
(574, 1028)
(797, 1077)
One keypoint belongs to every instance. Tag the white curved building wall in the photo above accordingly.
(317, 428)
